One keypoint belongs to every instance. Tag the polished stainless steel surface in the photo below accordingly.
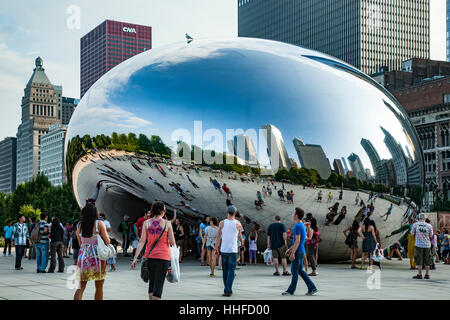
(292, 105)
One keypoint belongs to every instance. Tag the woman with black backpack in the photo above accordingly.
(351, 240)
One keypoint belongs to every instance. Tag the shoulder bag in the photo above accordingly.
(104, 252)
(145, 269)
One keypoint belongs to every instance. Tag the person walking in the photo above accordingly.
(229, 231)
(312, 246)
(209, 243)
(124, 229)
(202, 229)
(422, 232)
(253, 247)
(8, 229)
(20, 237)
(296, 253)
(156, 251)
(369, 243)
(388, 213)
(42, 247)
(56, 246)
(277, 242)
(179, 237)
(351, 240)
(89, 265)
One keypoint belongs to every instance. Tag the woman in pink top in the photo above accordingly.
(159, 256)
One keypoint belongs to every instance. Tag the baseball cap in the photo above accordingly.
(231, 209)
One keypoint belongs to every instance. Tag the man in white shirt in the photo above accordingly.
(229, 231)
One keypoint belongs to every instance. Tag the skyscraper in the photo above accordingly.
(52, 162)
(357, 166)
(40, 108)
(107, 45)
(380, 170)
(448, 30)
(367, 34)
(398, 156)
(67, 108)
(312, 156)
(338, 167)
(276, 150)
(242, 147)
(344, 162)
(8, 154)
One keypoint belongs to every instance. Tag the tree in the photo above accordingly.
(29, 212)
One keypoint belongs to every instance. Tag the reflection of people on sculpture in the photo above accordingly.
(94, 197)
(351, 240)
(281, 194)
(341, 194)
(333, 212)
(192, 182)
(227, 191)
(187, 206)
(259, 202)
(395, 249)
(319, 196)
(341, 215)
(158, 184)
(330, 197)
(290, 197)
(216, 185)
(359, 215)
(357, 199)
(388, 213)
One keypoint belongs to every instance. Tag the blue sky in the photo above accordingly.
(30, 28)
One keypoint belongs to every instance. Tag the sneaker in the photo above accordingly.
(212, 275)
(362, 268)
(427, 276)
(226, 295)
(287, 293)
(419, 276)
(310, 293)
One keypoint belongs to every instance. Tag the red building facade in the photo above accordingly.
(107, 45)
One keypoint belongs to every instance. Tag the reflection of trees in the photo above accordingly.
(78, 147)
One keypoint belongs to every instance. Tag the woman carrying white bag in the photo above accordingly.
(158, 234)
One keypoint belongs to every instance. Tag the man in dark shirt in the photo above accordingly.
(56, 246)
(276, 241)
(42, 246)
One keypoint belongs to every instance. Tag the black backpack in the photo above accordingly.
(349, 239)
(120, 228)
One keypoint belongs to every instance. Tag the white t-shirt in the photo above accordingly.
(107, 224)
(229, 236)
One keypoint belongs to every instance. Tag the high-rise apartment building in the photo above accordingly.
(338, 167)
(40, 108)
(242, 147)
(8, 157)
(364, 33)
(68, 106)
(52, 162)
(357, 167)
(312, 156)
(107, 45)
(276, 149)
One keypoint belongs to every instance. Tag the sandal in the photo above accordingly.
(419, 276)
(427, 276)
(276, 273)
(286, 273)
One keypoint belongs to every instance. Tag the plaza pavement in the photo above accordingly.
(253, 282)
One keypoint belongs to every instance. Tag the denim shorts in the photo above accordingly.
(209, 248)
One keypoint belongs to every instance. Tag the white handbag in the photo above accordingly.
(173, 275)
(104, 252)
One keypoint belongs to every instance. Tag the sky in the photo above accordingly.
(48, 29)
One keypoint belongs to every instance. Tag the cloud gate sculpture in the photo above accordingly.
(261, 118)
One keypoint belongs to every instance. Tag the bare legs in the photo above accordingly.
(98, 290)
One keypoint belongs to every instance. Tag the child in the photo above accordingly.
(252, 248)
(241, 246)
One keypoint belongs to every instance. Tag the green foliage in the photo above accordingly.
(36, 196)
(28, 211)
(441, 205)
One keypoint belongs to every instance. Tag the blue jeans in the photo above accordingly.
(41, 256)
(228, 269)
(297, 269)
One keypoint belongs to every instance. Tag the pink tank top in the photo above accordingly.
(161, 250)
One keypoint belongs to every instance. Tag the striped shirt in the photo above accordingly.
(20, 234)
(44, 235)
